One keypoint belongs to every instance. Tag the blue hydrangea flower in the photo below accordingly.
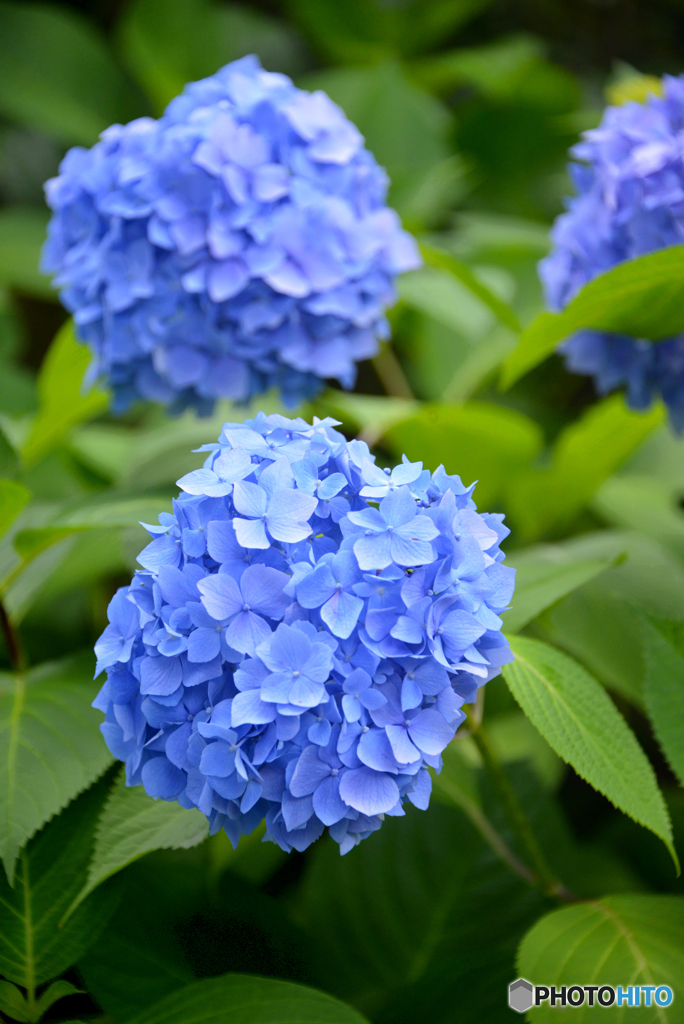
(302, 635)
(630, 201)
(240, 242)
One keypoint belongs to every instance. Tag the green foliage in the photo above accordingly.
(13, 497)
(63, 402)
(365, 31)
(19, 1008)
(166, 45)
(462, 272)
(619, 940)
(50, 747)
(546, 499)
(251, 1000)
(544, 577)
(132, 825)
(402, 925)
(578, 719)
(57, 74)
(22, 232)
(511, 69)
(664, 687)
(640, 297)
(51, 870)
(479, 441)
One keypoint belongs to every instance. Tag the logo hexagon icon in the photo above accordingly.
(520, 995)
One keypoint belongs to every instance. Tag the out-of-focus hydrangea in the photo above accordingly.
(303, 634)
(630, 201)
(240, 242)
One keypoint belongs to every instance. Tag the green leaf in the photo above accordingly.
(511, 69)
(543, 577)
(578, 719)
(599, 624)
(57, 75)
(98, 513)
(618, 940)
(22, 233)
(63, 403)
(479, 441)
(544, 500)
(439, 295)
(133, 824)
(51, 870)
(50, 746)
(436, 257)
(57, 990)
(418, 919)
(13, 497)
(13, 1003)
(363, 31)
(664, 687)
(251, 1000)
(646, 504)
(641, 297)
(166, 45)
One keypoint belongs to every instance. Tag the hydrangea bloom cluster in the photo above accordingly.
(240, 242)
(630, 201)
(303, 634)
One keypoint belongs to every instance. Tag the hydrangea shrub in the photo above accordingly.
(302, 635)
(630, 201)
(240, 242)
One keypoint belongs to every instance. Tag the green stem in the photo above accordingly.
(391, 374)
(14, 648)
(517, 819)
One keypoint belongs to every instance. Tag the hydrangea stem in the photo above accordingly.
(391, 374)
(544, 877)
(12, 642)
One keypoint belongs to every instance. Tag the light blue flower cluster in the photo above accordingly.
(240, 242)
(303, 634)
(630, 201)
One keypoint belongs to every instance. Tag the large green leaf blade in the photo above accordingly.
(51, 870)
(50, 747)
(578, 719)
(641, 297)
(541, 580)
(619, 940)
(248, 999)
(13, 497)
(133, 824)
(664, 687)
(63, 403)
(587, 452)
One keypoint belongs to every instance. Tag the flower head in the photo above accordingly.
(240, 242)
(273, 660)
(630, 201)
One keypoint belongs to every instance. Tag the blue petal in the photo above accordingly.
(369, 791)
(162, 779)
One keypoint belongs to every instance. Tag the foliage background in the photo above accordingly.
(471, 106)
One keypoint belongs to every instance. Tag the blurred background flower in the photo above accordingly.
(629, 180)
